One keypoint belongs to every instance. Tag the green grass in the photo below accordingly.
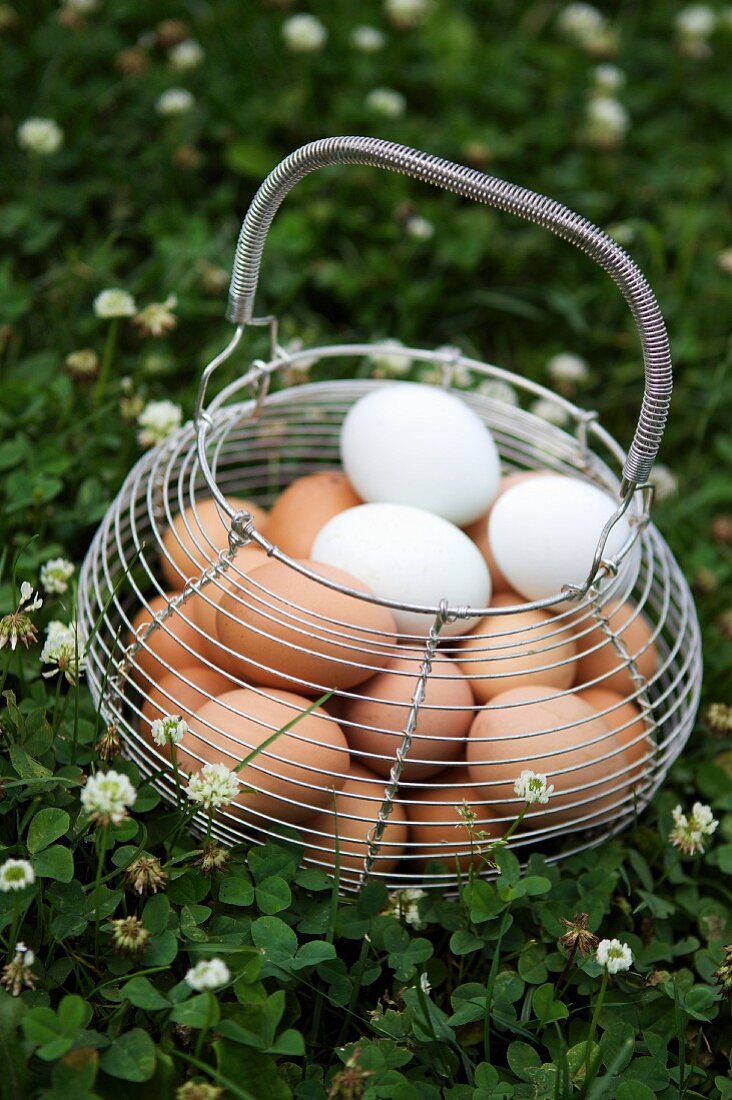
(153, 205)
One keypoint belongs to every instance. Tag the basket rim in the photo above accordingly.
(450, 359)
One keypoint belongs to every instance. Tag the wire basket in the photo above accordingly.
(383, 752)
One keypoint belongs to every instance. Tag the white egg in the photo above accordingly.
(419, 445)
(410, 556)
(544, 532)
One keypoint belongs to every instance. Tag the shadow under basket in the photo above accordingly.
(382, 761)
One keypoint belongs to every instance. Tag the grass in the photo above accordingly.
(325, 997)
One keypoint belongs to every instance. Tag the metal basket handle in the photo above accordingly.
(493, 192)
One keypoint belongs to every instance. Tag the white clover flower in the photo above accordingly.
(696, 21)
(107, 797)
(608, 78)
(419, 228)
(55, 575)
(461, 376)
(724, 261)
(608, 113)
(157, 318)
(26, 954)
(63, 649)
(694, 27)
(176, 101)
(214, 786)
(114, 302)
(588, 28)
(664, 480)
(614, 956)
(41, 136)
(386, 102)
(82, 364)
(367, 39)
(169, 730)
(703, 818)
(549, 410)
(157, 421)
(17, 974)
(406, 14)
(498, 390)
(29, 600)
(208, 974)
(410, 906)
(57, 631)
(186, 55)
(533, 787)
(424, 983)
(388, 363)
(405, 903)
(15, 874)
(688, 833)
(304, 33)
(567, 368)
(17, 626)
(607, 122)
(580, 21)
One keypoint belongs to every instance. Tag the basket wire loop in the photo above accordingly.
(376, 833)
(448, 366)
(261, 387)
(582, 436)
(578, 591)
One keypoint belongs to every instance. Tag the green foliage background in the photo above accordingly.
(153, 204)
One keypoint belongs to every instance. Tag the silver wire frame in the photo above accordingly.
(251, 442)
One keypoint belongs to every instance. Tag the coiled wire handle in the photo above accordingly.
(492, 192)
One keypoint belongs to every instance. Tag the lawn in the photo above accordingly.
(133, 139)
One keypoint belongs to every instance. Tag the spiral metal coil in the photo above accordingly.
(149, 600)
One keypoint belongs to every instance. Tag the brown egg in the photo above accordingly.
(182, 693)
(305, 506)
(175, 643)
(197, 534)
(298, 630)
(478, 530)
(375, 720)
(622, 713)
(635, 633)
(356, 811)
(289, 779)
(505, 660)
(583, 782)
(436, 827)
(207, 604)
